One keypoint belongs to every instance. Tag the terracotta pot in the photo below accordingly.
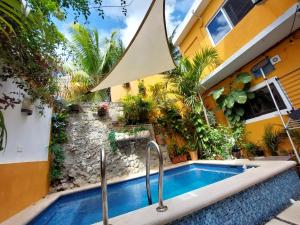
(159, 139)
(179, 159)
(193, 155)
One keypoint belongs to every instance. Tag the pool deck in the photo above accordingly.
(289, 216)
(191, 201)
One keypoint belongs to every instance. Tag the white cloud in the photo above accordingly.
(138, 9)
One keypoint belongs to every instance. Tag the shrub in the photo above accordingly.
(272, 138)
(136, 109)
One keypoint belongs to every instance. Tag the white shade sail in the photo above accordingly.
(148, 52)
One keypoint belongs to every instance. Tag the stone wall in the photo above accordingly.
(87, 134)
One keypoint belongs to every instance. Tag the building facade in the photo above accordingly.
(248, 35)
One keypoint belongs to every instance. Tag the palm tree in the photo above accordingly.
(185, 79)
(90, 57)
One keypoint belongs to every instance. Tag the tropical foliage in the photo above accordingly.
(272, 138)
(136, 109)
(91, 62)
(232, 102)
(185, 79)
(58, 137)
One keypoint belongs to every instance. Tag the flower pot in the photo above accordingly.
(179, 159)
(193, 155)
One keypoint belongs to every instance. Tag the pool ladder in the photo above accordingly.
(161, 207)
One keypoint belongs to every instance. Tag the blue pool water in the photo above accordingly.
(83, 208)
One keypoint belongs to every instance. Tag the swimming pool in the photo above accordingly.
(85, 207)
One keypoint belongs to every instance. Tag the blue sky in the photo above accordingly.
(127, 25)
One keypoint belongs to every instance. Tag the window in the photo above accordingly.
(237, 9)
(218, 27)
(228, 16)
(263, 104)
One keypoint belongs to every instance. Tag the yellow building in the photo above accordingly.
(248, 34)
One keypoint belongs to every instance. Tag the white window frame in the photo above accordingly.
(228, 21)
(285, 99)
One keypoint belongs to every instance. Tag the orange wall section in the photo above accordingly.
(21, 184)
(119, 92)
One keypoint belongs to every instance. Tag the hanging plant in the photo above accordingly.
(232, 102)
(3, 133)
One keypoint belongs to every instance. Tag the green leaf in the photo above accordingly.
(251, 95)
(240, 96)
(243, 78)
(217, 93)
(240, 111)
(229, 101)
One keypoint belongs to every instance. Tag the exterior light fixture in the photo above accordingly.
(27, 106)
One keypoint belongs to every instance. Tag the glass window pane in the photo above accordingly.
(218, 27)
(237, 9)
(262, 103)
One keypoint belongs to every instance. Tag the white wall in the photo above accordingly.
(28, 136)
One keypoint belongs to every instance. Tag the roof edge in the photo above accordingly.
(190, 19)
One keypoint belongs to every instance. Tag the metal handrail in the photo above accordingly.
(104, 187)
(161, 207)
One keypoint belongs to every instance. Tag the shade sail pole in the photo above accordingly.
(281, 117)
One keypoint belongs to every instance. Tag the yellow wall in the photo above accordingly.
(21, 184)
(288, 71)
(254, 22)
(119, 92)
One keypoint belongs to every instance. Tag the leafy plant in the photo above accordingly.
(185, 78)
(142, 88)
(57, 163)
(58, 137)
(136, 109)
(171, 119)
(112, 141)
(253, 149)
(272, 138)
(232, 102)
(3, 132)
(174, 150)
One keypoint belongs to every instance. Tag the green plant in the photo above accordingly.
(136, 109)
(184, 80)
(171, 119)
(58, 137)
(3, 132)
(237, 95)
(57, 163)
(174, 150)
(112, 141)
(133, 130)
(272, 138)
(142, 88)
(253, 149)
(59, 124)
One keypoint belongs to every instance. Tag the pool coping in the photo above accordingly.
(192, 201)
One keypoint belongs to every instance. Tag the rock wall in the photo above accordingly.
(87, 134)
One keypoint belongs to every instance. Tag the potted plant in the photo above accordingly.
(177, 154)
(102, 109)
(193, 154)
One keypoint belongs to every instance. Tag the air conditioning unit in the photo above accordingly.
(255, 2)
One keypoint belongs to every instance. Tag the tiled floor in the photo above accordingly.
(290, 216)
